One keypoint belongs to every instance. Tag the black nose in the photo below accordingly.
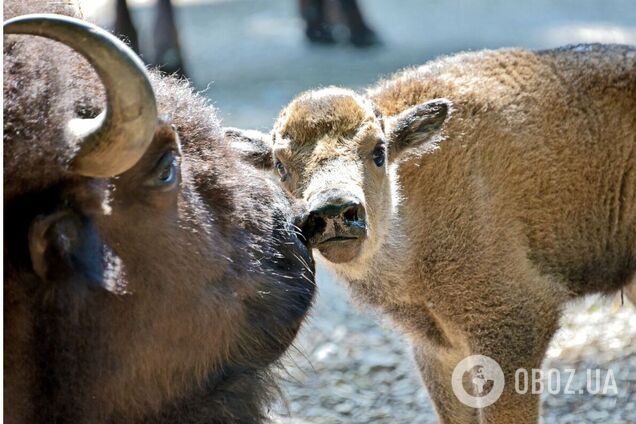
(349, 211)
(345, 211)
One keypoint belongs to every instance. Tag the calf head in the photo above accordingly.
(149, 273)
(332, 149)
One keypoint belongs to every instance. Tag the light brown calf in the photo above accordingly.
(470, 198)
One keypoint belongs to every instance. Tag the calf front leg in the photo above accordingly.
(436, 369)
(512, 324)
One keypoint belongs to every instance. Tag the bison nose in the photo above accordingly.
(337, 214)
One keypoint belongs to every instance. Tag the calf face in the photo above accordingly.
(334, 151)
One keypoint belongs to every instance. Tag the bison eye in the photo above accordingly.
(165, 173)
(281, 170)
(379, 155)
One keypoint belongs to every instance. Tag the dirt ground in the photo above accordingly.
(348, 366)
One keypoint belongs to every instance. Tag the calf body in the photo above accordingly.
(491, 187)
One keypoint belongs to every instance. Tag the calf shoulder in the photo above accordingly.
(538, 164)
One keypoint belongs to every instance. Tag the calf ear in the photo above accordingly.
(253, 146)
(416, 126)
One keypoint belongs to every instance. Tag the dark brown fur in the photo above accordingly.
(175, 303)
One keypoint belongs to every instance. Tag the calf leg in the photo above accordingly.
(436, 368)
(510, 323)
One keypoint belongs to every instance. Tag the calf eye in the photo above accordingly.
(165, 173)
(281, 170)
(379, 155)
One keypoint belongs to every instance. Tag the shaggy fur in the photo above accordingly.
(127, 303)
(479, 230)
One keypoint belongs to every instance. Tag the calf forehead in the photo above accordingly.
(330, 114)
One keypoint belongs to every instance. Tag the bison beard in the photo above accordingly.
(127, 299)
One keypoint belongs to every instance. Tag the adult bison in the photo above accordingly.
(150, 276)
(470, 199)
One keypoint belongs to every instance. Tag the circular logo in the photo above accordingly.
(483, 377)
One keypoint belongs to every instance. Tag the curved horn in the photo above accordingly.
(115, 140)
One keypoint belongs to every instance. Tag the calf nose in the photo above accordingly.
(350, 211)
(344, 212)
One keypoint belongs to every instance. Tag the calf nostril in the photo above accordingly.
(351, 213)
(312, 226)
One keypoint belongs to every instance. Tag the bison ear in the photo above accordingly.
(417, 126)
(253, 146)
(66, 247)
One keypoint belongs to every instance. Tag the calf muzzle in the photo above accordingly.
(336, 225)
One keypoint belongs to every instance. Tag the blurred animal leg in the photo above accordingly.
(166, 41)
(124, 27)
(317, 28)
(361, 34)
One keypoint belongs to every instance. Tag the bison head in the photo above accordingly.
(332, 149)
(150, 275)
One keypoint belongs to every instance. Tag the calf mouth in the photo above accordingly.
(337, 240)
(339, 248)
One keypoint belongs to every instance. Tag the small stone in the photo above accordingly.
(344, 408)
(324, 351)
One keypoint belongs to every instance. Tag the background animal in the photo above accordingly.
(150, 276)
(470, 199)
(319, 26)
(165, 40)
(319, 17)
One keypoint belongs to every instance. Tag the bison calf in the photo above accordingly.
(470, 198)
(150, 275)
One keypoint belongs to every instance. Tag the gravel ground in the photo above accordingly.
(250, 57)
(348, 367)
